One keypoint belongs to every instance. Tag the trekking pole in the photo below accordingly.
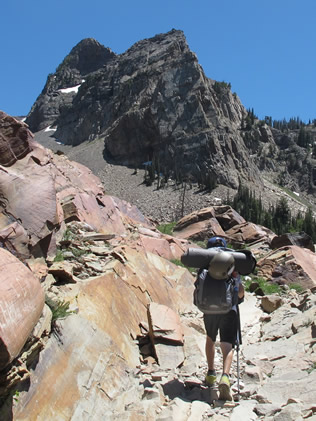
(238, 386)
(238, 342)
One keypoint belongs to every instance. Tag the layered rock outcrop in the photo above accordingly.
(289, 265)
(40, 191)
(94, 351)
(221, 221)
(21, 304)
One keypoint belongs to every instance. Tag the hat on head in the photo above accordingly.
(216, 242)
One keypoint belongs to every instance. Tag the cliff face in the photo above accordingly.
(152, 102)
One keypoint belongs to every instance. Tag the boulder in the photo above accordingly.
(198, 226)
(267, 409)
(228, 217)
(194, 217)
(200, 231)
(163, 245)
(270, 303)
(244, 412)
(164, 324)
(14, 140)
(21, 305)
(255, 287)
(14, 237)
(30, 198)
(248, 232)
(300, 239)
(221, 221)
(291, 412)
(253, 374)
(164, 330)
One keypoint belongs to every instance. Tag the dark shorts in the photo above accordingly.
(226, 324)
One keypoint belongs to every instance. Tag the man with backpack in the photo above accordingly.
(218, 291)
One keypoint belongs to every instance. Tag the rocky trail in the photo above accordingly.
(163, 392)
(166, 382)
(278, 349)
(179, 394)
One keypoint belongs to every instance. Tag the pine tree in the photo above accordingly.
(302, 139)
(282, 216)
(267, 220)
(309, 224)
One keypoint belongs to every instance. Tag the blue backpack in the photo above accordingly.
(212, 296)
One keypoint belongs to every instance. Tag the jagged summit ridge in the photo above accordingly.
(85, 58)
(164, 40)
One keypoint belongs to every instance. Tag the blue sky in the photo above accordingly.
(265, 49)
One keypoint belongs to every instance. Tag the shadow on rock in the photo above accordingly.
(188, 392)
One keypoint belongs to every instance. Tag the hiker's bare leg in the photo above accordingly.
(210, 352)
(228, 353)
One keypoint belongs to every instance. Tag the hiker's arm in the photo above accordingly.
(241, 290)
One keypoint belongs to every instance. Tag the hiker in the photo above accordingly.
(221, 268)
(217, 242)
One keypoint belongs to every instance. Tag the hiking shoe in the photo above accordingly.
(210, 378)
(224, 389)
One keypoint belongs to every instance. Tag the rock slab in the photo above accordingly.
(21, 305)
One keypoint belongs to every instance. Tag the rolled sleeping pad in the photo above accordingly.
(200, 258)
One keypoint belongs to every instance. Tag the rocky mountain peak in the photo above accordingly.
(86, 57)
(153, 102)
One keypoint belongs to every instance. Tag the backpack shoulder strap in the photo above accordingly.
(202, 273)
(231, 281)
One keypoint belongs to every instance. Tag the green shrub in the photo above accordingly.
(16, 396)
(312, 367)
(201, 244)
(77, 252)
(220, 87)
(297, 287)
(59, 256)
(267, 287)
(167, 228)
(60, 309)
(68, 235)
